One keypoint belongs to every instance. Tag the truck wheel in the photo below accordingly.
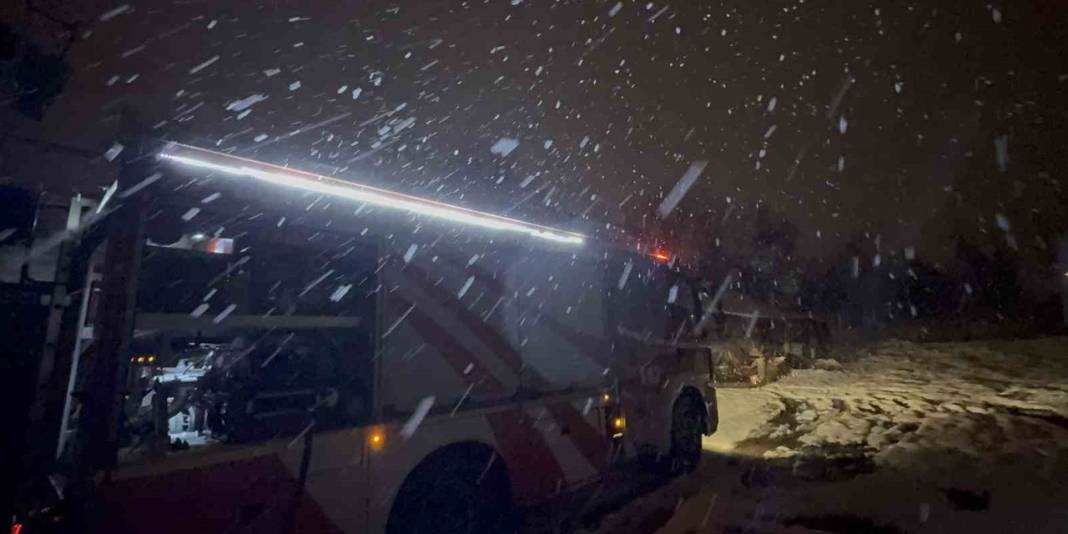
(686, 428)
(455, 492)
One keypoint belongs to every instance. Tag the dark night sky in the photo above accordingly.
(920, 92)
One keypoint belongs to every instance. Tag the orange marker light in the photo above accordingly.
(377, 439)
(661, 256)
(606, 397)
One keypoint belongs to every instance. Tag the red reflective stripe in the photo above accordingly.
(248, 495)
(475, 269)
(532, 467)
(485, 333)
(496, 288)
(592, 443)
(596, 349)
(452, 350)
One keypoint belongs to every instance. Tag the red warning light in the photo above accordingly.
(661, 256)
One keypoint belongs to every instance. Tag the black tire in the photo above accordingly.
(687, 425)
(459, 490)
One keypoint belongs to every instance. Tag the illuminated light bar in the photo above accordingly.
(286, 177)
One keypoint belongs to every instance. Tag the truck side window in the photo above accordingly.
(635, 304)
(243, 330)
(681, 301)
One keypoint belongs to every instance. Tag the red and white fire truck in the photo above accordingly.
(274, 350)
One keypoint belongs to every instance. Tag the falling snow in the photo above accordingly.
(112, 13)
(410, 253)
(113, 152)
(681, 188)
(504, 146)
(204, 65)
(245, 103)
(413, 422)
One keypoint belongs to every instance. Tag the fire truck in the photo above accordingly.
(263, 349)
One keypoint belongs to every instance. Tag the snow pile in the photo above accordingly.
(974, 399)
(911, 437)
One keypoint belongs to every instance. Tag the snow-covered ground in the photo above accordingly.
(969, 437)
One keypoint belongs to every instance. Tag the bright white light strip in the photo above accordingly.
(387, 199)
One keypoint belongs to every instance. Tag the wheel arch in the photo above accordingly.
(470, 450)
(692, 393)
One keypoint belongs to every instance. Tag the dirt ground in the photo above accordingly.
(950, 437)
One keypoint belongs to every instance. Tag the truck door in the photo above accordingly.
(567, 363)
(640, 324)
